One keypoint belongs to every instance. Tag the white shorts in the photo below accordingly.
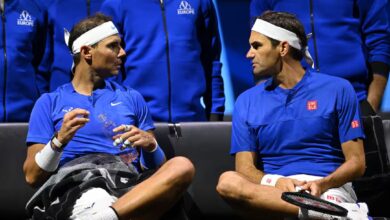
(91, 203)
(345, 193)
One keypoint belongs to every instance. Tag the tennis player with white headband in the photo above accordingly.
(97, 136)
(298, 130)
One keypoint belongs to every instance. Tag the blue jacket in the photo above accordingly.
(22, 45)
(64, 14)
(349, 37)
(172, 56)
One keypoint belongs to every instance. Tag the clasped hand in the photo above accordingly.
(131, 136)
(291, 185)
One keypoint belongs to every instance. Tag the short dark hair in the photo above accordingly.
(289, 22)
(83, 26)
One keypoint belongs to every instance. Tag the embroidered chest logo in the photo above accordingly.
(25, 19)
(185, 8)
(67, 110)
(115, 103)
(312, 105)
(355, 124)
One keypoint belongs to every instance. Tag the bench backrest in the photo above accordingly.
(206, 144)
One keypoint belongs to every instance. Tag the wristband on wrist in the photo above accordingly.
(152, 159)
(56, 144)
(48, 158)
(270, 179)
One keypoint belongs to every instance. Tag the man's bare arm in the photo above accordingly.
(352, 168)
(246, 165)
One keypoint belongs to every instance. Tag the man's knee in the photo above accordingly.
(183, 170)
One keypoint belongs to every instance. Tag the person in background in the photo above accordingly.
(23, 77)
(63, 14)
(351, 41)
(91, 141)
(173, 56)
(308, 135)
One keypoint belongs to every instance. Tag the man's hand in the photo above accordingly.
(134, 137)
(315, 188)
(288, 184)
(72, 121)
(376, 90)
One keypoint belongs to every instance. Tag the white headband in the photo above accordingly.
(92, 36)
(281, 34)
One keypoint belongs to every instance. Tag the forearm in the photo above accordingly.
(245, 165)
(351, 169)
(376, 90)
(348, 171)
(34, 174)
(252, 174)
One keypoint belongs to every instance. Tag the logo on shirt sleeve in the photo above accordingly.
(355, 124)
(312, 105)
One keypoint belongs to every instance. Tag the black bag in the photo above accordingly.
(374, 187)
(377, 161)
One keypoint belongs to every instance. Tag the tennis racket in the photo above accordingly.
(308, 201)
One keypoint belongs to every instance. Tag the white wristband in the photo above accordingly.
(48, 159)
(56, 142)
(270, 179)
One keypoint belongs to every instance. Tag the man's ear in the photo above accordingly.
(284, 48)
(85, 51)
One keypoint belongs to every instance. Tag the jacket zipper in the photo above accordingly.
(168, 60)
(88, 7)
(316, 62)
(5, 64)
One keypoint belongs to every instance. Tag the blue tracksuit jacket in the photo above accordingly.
(348, 37)
(173, 52)
(22, 46)
(64, 14)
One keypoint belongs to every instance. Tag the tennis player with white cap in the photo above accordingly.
(297, 130)
(91, 141)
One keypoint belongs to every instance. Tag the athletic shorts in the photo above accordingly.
(345, 193)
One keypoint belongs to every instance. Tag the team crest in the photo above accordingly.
(185, 8)
(25, 19)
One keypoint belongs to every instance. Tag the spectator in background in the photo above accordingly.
(298, 129)
(45, 3)
(348, 39)
(71, 135)
(23, 78)
(64, 14)
(173, 51)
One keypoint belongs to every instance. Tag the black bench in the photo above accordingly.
(205, 143)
